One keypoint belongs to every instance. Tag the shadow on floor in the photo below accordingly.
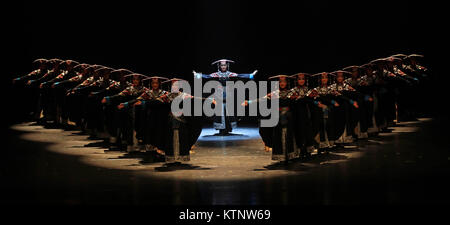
(168, 167)
(297, 164)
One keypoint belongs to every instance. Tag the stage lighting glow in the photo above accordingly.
(239, 133)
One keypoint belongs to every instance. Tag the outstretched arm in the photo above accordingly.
(32, 75)
(247, 75)
(265, 98)
(201, 75)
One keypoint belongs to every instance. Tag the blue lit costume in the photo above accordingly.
(224, 123)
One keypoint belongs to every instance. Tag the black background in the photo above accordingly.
(174, 37)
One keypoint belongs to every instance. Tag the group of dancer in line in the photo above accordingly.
(132, 112)
(327, 110)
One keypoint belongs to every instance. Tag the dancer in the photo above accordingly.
(224, 123)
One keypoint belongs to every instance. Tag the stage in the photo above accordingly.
(47, 165)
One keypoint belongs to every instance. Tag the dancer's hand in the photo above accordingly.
(121, 106)
(294, 96)
(321, 105)
(313, 94)
(186, 96)
(196, 75)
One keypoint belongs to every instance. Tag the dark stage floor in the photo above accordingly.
(410, 164)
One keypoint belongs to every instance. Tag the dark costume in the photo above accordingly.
(301, 104)
(94, 110)
(363, 95)
(324, 118)
(387, 91)
(281, 138)
(56, 94)
(416, 76)
(46, 98)
(121, 123)
(28, 92)
(346, 115)
(183, 131)
(155, 111)
(72, 108)
(80, 96)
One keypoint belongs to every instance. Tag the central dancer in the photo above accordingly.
(224, 123)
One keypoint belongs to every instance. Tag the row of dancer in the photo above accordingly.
(327, 110)
(130, 111)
